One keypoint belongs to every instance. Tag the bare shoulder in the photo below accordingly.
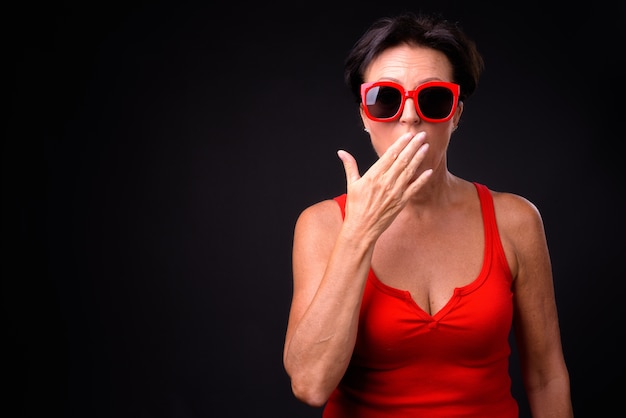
(318, 220)
(515, 212)
(323, 212)
(521, 231)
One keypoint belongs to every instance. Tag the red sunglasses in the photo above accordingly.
(435, 101)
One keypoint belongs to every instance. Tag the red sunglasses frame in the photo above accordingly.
(453, 87)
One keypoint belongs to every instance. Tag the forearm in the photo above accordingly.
(321, 344)
(552, 400)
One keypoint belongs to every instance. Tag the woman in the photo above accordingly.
(406, 287)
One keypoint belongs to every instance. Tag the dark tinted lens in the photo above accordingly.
(435, 102)
(383, 101)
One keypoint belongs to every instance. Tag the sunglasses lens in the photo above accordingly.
(383, 101)
(436, 102)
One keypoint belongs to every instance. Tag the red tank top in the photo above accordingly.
(407, 363)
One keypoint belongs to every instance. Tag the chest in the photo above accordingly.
(444, 295)
(431, 260)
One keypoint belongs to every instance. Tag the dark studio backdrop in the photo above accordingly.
(156, 155)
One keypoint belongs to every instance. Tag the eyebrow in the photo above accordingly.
(395, 80)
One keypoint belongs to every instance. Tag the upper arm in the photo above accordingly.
(535, 312)
(314, 236)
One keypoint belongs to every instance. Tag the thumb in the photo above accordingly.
(350, 166)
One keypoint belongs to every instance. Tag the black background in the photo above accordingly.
(156, 155)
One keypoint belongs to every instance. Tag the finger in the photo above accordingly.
(409, 164)
(408, 153)
(350, 166)
(391, 154)
(418, 183)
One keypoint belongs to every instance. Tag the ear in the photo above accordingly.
(457, 114)
(366, 121)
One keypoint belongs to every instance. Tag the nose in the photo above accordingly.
(409, 112)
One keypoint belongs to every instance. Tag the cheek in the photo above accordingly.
(382, 137)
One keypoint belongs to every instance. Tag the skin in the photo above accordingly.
(420, 228)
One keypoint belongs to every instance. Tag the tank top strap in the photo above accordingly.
(493, 243)
(341, 200)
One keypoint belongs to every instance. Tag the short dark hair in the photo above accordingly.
(430, 30)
